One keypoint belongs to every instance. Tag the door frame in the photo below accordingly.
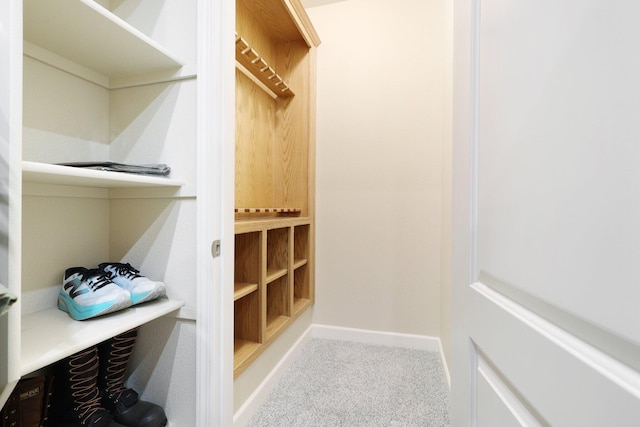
(462, 219)
(215, 199)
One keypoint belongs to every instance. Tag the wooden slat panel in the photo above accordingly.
(292, 128)
(255, 116)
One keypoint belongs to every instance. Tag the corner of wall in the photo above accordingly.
(445, 267)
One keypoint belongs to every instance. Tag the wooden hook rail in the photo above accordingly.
(260, 69)
(272, 211)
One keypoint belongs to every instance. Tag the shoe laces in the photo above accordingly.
(125, 270)
(83, 375)
(95, 278)
(119, 353)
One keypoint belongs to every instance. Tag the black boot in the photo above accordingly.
(76, 398)
(123, 402)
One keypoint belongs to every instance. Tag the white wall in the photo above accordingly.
(381, 81)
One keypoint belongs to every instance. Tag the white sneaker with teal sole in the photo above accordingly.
(141, 288)
(89, 293)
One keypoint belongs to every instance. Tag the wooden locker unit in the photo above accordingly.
(274, 171)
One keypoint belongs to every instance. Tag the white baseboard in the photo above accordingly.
(419, 342)
(258, 397)
(444, 364)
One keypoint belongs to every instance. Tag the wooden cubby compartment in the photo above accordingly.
(79, 63)
(246, 327)
(273, 282)
(277, 253)
(277, 305)
(247, 261)
(274, 170)
(301, 283)
(247, 312)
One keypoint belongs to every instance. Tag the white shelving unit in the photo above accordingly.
(135, 94)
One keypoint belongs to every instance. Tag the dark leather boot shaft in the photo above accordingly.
(123, 403)
(76, 398)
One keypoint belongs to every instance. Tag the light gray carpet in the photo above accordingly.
(337, 383)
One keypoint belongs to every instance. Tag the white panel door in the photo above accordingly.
(546, 227)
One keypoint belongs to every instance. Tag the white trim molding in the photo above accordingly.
(419, 342)
(216, 124)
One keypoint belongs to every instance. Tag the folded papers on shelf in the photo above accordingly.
(149, 169)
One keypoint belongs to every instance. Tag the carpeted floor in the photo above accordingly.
(337, 383)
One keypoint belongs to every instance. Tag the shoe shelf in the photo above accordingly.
(99, 79)
(51, 335)
(247, 332)
(243, 289)
(84, 33)
(247, 277)
(45, 173)
(272, 281)
(245, 351)
(297, 263)
(276, 324)
(274, 274)
(278, 305)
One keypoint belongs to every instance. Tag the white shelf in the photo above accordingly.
(51, 335)
(84, 32)
(45, 173)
